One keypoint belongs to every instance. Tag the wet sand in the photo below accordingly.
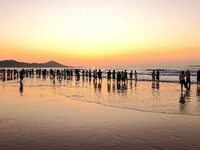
(40, 118)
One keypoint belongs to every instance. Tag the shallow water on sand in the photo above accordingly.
(159, 97)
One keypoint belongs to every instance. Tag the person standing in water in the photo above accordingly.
(108, 76)
(131, 75)
(198, 77)
(182, 79)
(158, 75)
(100, 75)
(188, 81)
(113, 74)
(153, 75)
(135, 75)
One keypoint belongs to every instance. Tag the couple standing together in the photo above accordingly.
(183, 82)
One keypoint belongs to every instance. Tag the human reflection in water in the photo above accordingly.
(198, 91)
(135, 84)
(21, 87)
(118, 86)
(99, 86)
(95, 85)
(108, 86)
(131, 84)
(153, 85)
(157, 84)
(185, 96)
(113, 86)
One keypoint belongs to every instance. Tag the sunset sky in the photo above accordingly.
(101, 32)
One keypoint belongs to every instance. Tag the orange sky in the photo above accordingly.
(101, 33)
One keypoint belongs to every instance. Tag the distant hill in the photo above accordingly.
(16, 64)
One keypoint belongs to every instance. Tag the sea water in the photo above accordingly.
(164, 96)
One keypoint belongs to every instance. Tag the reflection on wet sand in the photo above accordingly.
(21, 88)
(184, 99)
(198, 92)
(155, 85)
(146, 96)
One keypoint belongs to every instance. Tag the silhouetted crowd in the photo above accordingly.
(120, 76)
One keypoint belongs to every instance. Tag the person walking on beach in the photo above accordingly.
(153, 75)
(188, 81)
(182, 80)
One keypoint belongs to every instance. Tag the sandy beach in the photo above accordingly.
(43, 118)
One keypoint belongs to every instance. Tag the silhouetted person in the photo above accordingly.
(131, 75)
(126, 76)
(135, 75)
(188, 80)
(113, 74)
(90, 74)
(157, 75)
(123, 77)
(21, 75)
(182, 80)
(198, 77)
(83, 73)
(95, 75)
(109, 75)
(118, 77)
(100, 75)
(198, 83)
(86, 73)
(153, 75)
